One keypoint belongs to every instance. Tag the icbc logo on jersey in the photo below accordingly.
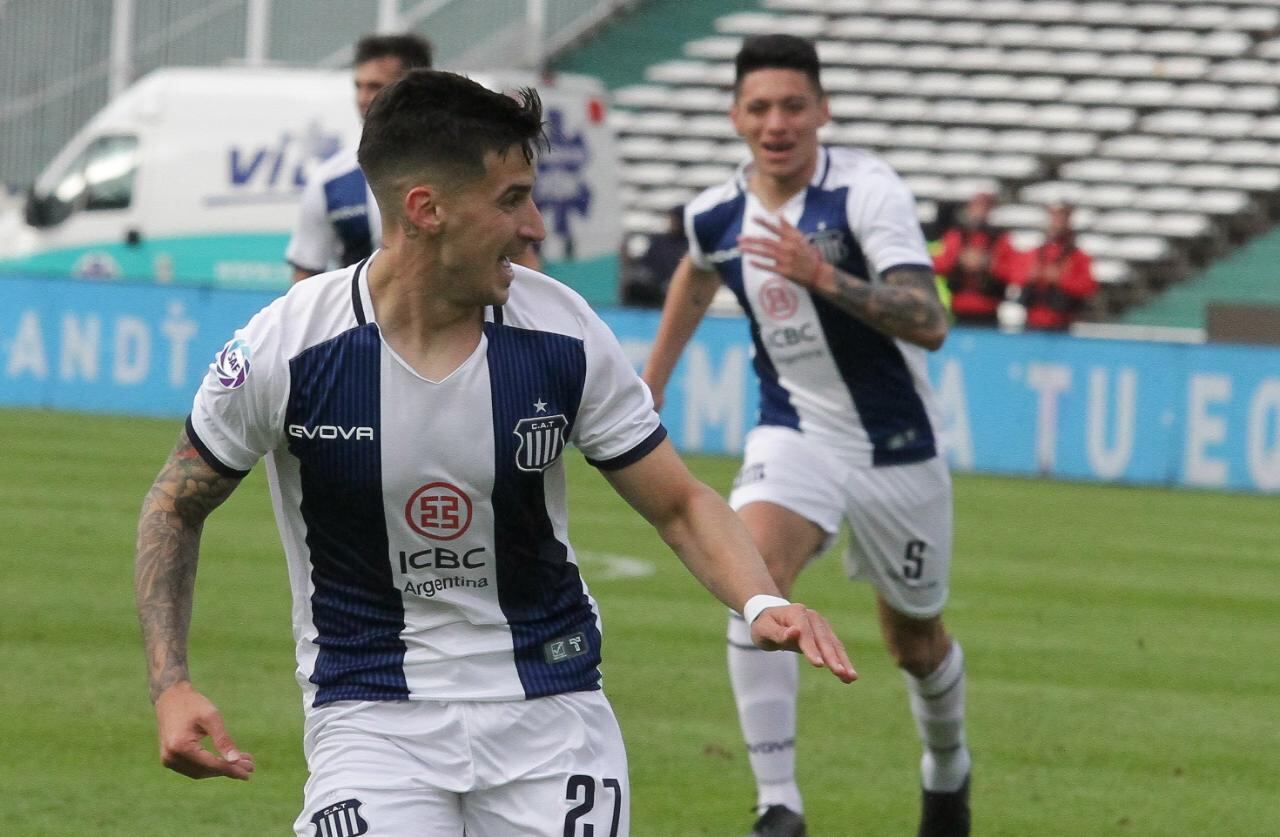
(438, 510)
(778, 298)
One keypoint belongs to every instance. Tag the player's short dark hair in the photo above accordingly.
(414, 51)
(442, 125)
(777, 52)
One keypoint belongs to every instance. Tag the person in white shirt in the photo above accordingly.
(338, 223)
(413, 411)
(822, 248)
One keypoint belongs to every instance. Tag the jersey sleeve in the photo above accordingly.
(883, 218)
(696, 256)
(616, 423)
(314, 241)
(238, 412)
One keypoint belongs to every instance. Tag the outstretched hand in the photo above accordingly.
(185, 717)
(789, 254)
(795, 627)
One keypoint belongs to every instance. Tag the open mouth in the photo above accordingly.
(777, 147)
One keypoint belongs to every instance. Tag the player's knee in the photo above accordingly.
(919, 653)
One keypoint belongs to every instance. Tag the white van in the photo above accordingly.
(192, 176)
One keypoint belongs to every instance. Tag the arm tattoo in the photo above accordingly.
(173, 513)
(904, 305)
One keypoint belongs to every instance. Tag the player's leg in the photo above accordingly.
(553, 765)
(901, 518)
(363, 781)
(791, 506)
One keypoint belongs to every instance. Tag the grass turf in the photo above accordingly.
(1121, 647)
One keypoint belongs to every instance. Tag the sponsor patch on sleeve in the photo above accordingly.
(232, 365)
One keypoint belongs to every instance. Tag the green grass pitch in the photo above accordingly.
(1123, 647)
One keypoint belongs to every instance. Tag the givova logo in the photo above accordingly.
(340, 820)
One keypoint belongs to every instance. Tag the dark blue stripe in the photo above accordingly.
(345, 192)
(356, 608)
(357, 305)
(539, 589)
(717, 231)
(869, 362)
(207, 455)
(634, 455)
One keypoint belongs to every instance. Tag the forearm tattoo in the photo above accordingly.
(186, 490)
(905, 304)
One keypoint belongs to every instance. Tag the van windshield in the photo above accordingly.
(100, 178)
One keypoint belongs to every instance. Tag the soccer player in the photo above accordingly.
(413, 410)
(338, 222)
(823, 250)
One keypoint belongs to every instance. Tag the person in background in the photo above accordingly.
(824, 252)
(1056, 278)
(338, 223)
(649, 260)
(977, 260)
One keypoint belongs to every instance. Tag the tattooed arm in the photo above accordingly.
(186, 490)
(688, 297)
(904, 305)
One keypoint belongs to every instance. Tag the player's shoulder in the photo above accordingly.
(341, 162)
(857, 166)
(717, 195)
(542, 303)
(312, 311)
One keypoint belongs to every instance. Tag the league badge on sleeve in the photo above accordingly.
(232, 365)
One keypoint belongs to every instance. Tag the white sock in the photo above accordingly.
(937, 702)
(764, 689)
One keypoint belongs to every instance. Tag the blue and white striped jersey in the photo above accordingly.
(822, 371)
(338, 222)
(424, 522)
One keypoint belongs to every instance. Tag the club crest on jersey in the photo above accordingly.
(830, 243)
(232, 365)
(341, 819)
(541, 441)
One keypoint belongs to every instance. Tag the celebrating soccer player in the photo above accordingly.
(822, 248)
(413, 410)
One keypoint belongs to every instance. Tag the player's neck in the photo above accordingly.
(774, 192)
(428, 331)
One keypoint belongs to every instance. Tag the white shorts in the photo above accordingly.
(549, 766)
(899, 515)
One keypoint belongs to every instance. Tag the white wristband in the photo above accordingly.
(759, 602)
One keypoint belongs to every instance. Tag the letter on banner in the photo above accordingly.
(27, 351)
(132, 355)
(1050, 380)
(1204, 429)
(711, 400)
(1263, 451)
(80, 347)
(1111, 463)
(954, 406)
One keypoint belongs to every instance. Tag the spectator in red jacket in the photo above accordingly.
(976, 262)
(1056, 277)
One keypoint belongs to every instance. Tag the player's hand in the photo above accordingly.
(185, 717)
(797, 628)
(789, 255)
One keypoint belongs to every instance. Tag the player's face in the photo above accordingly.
(372, 76)
(778, 112)
(487, 223)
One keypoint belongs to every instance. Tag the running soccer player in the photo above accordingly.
(338, 222)
(822, 248)
(413, 410)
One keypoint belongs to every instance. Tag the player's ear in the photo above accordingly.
(422, 208)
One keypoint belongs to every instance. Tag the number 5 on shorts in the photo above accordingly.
(584, 787)
(914, 555)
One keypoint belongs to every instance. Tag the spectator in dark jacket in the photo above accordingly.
(649, 260)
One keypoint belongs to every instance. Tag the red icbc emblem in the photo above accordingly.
(778, 298)
(438, 510)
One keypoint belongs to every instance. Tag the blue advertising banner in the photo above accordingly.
(1205, 416)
